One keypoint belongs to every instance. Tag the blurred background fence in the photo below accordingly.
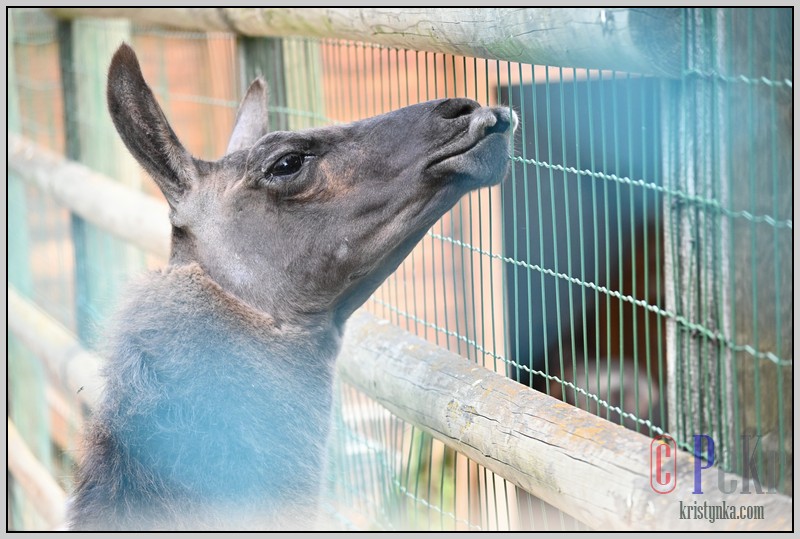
(636, 264)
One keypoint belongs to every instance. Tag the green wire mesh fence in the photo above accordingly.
(637, 262)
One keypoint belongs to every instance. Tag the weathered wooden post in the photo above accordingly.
(728, 148)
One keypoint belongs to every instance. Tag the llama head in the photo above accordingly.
(310, 222)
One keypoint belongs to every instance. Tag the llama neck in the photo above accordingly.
(215, 397)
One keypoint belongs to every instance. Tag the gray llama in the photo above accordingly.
(219, 383)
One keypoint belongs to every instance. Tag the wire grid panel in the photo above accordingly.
(456, 288)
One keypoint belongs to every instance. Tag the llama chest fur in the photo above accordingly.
(211, 407)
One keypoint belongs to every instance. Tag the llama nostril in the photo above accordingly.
(500, 126)
(504, 120)
(451, 109)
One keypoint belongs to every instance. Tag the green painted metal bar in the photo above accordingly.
(263, 57)
(24, 392)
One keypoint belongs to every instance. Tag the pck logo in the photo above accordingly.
(663, 464)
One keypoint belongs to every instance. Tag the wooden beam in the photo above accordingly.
(66, 420)
(590, 468)
(126, 213)
(67, 362)
(37, 483)
(644, 41)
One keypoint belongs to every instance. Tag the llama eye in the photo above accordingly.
(287, 164)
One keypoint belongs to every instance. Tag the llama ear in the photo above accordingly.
(144, 128)
(251, 121)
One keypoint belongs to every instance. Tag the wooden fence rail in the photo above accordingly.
(48, 498)
(643, 41)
